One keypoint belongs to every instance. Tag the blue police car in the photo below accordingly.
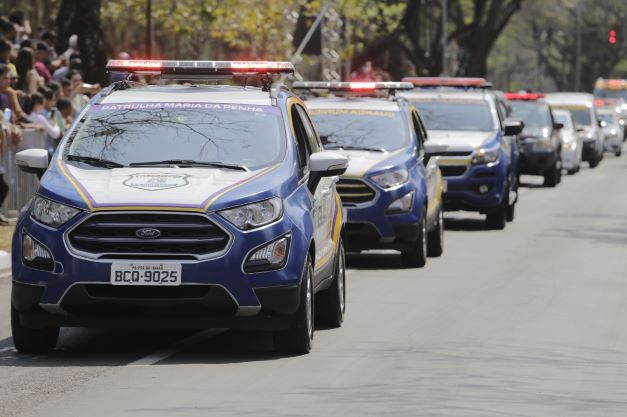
(183, 206)
(474, 143)
(391, 191)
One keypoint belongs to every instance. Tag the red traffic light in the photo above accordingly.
(612, 37)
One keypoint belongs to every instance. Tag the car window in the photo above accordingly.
(456, 115)
(310, 131)
(246, 135)
(563, 118)
(533, 114)
(420, 133)
(302, 145)
(375, 129)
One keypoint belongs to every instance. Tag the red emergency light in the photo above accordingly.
(461, 82)
(201, 68)
(524, 96)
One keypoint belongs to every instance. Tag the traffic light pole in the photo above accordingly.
(578, 49)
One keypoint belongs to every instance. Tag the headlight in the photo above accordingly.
(52, 213)
(486, 155)
(392, 178)
(569, 145)
(252, 216)
(541, 145)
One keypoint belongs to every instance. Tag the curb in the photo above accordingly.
(5, 264)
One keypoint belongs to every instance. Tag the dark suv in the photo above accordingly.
(540, 142)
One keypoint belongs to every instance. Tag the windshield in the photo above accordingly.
(245, 135)
(606, 117)
(368, 129)
(581, 117)
(456, 115)
(599, 93)
(563, 118)
(533, 114)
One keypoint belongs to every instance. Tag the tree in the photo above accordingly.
(82, 17)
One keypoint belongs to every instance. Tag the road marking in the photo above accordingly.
(164, 353)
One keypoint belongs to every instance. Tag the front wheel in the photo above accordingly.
(554, 176)
(416, 257)
(435, 243)
(331, 303)
(299, 337)
(619, 152)
(27, 340)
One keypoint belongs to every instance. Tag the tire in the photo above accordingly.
(435, 238)
(594, 162)
(299, 337)
(497, 217)
(416, 257)
(511, 212)
(28, 340)
(619, 152)
(331, 303)
(572, 171)
(553, 177)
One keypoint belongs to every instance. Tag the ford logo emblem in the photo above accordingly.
(148, 233)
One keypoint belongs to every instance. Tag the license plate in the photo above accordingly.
(146, 274)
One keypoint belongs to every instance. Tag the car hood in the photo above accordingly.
(459, 140)
(360, 162)
(146, 188)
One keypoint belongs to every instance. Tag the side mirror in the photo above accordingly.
(325, 164)
(513, 127)
(580, 129)
(558, 126)
(33, 161)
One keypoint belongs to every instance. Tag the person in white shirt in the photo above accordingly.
(34, 108)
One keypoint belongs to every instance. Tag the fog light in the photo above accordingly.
(269, 257)
(402, 205)
(483, 189)
(36, 255)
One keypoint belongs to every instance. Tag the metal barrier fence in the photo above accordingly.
(22, 186)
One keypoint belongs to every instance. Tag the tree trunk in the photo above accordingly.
(82, 17)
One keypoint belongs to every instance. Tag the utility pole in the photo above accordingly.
(444, 37)
(578, 49)
(148, 29)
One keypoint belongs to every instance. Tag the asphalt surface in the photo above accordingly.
(530, 321)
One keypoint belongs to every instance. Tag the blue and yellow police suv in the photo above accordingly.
(391, 192)
(474, 143)
(183, 206)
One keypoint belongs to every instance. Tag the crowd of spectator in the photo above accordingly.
(40, 87)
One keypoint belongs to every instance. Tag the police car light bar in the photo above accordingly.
(524, 96)
(357, 87)
(201, 68)
(460, 82)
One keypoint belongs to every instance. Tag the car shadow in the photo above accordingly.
(465, 224)
(374, 260)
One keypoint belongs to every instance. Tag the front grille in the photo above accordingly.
(451, 153)
(181, 235)
(354, 191)
(453, 170)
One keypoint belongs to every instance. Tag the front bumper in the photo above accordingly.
(570, 158)
(370, 226)
(468, 191)
(213, 292)
(613, 143)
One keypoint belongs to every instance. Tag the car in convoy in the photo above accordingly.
(583, 111)
(469, 136)
(183, 206)
(540, 143)
(612, 129)
(391, 191)
(617, 105)
(572, 143)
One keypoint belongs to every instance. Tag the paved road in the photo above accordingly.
(531, 321)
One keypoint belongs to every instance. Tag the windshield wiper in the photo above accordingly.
(355, 148)
(97, 162)
(190, 163)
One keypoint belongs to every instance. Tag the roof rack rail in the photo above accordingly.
(352, 87)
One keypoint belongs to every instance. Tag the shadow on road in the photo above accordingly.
(371, 260)
(464, 224)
